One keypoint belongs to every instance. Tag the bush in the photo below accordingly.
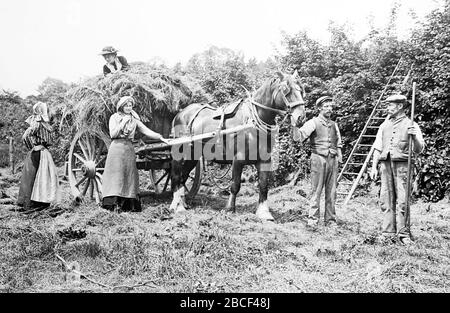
(12, 121)
(430, 52)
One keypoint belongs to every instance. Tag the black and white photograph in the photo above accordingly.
(224, 152)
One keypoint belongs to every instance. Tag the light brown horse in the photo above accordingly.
(280, 95)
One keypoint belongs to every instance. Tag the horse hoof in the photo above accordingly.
(264, 215)
(180, 209)
(263, 212)
(230, 209)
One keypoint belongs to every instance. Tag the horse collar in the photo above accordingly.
(268, 108)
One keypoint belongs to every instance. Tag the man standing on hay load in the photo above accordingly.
(39, 185)
(326, 147)
(391, 148)
(114, 63)
(120, 188)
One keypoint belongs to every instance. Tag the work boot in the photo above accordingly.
(406, 241)
(332, 224)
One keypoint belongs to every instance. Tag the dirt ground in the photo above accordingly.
(85, 248)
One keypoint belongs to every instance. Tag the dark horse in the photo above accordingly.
(280, 95)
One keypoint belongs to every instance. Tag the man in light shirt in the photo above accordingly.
(391, 149)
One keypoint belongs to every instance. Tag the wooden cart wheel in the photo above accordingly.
(161, 182)
(87, 157)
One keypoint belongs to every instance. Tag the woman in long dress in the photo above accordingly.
(120, 179)
(39, 185)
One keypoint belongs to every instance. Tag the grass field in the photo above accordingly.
(209, 250)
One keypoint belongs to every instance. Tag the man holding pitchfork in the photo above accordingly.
(395, 140)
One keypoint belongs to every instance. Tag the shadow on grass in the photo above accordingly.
(291, 215)
(209, 201)
(218, 202)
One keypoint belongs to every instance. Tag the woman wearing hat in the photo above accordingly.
(114, 63)
(120, 179)
(39, 184)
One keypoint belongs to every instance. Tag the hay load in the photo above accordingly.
(158, 92)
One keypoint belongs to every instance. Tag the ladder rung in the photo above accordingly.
(378, 118)
(355, 163)
(369, 136)
(348, 173)
(373, 127)
(364, 145)
(360, 154)
(344, 183)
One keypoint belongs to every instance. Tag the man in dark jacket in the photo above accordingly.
(326, 147)
(114, 63)
(391, 150)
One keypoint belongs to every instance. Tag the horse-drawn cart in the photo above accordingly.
(213, 129)
(87, 156)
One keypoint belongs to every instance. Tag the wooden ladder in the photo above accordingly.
(359, 158)
(356, 164)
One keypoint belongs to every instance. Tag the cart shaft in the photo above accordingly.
(192, 138)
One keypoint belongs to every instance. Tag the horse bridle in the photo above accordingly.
(290, 105)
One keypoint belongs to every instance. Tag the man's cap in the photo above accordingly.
(108, 50)
(396, 99)
(322, 100)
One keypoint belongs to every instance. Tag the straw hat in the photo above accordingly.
(108, 50)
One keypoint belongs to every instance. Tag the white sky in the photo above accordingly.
(62, 39)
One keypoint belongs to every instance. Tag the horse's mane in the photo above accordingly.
(266, 87)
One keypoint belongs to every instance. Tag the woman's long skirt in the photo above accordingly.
(29, 170)
(120, 180)
(39, 185)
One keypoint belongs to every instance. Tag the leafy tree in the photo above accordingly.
(12, 121)
(430, 52)
(52, 91)
(222, 73)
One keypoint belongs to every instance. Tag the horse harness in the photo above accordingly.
(230, 110)
(221, 113)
